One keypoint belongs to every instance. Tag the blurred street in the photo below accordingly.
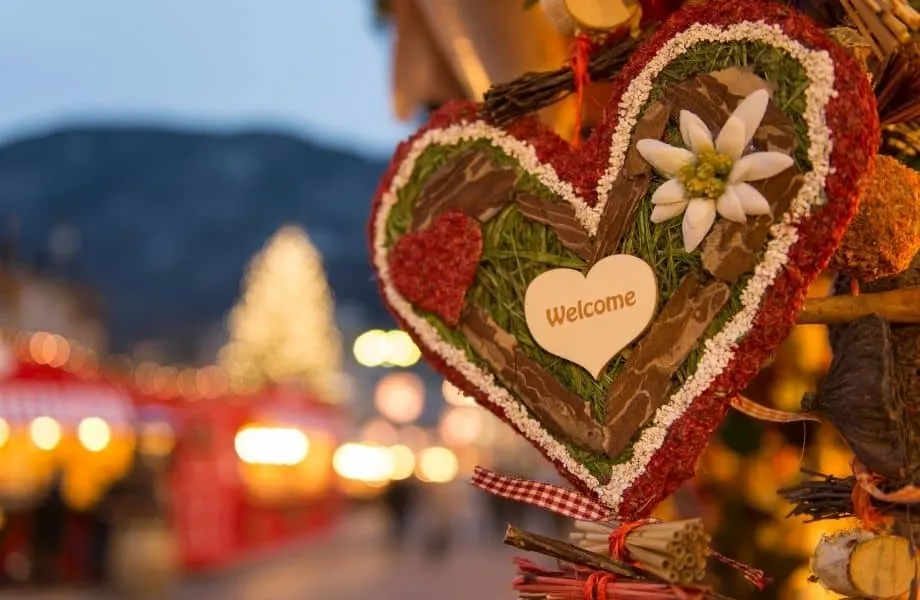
(350, 563)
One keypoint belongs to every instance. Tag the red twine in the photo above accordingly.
(581, 49)
(854, 287)
(756, 576)
(617, 539)
(909, 494)
(868, 515)
(596, 585)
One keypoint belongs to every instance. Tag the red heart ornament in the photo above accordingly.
(587, 190)
(434, 268)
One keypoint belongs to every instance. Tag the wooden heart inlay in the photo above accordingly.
(732, 240)
(589, 318)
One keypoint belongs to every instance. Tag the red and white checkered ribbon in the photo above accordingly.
(763, 413)
(550, 497)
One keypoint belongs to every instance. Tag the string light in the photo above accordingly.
(166, 382)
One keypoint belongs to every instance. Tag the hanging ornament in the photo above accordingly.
(558, 14)
(601, 14)
(571, 17)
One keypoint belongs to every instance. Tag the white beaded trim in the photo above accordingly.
(719, 349)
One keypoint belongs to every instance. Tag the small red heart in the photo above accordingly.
(434, 268)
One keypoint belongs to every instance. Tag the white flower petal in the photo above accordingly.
(701, 210)
(759, 165)
(751, 110)
(752, 201)
(741, 126)
(669, 192)
(731, 139)
(666, 212)
(698, 219)
(729, 206)
(666, 159)
(695, 133)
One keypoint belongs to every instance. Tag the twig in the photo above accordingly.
(828, 498)
(531, 92)
(532, 542)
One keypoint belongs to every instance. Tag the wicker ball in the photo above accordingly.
(885, 234)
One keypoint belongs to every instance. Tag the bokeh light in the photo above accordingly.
(400, 397)
(380, 431)
(4, 432)
(363, 462)
(45, 433)
(437, 465)
(403, 462)
(453, 395)
(461, 426)
(403, 351)
(415, 437)
(378, 348)
(271, 446)
(94, 434)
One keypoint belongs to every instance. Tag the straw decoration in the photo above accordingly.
(566, 582)
(676, 551)
(897, 86)
(902, 140)
(887, 24)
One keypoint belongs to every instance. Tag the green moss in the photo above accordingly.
(517, 250)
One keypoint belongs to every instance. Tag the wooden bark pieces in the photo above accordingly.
(860, 564)
(560, 217)
(470, 182)
(713, 97)
(561, 411)
(631, 184)
(730, 249)
(643, 385)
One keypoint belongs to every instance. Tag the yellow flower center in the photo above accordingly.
(706, 178)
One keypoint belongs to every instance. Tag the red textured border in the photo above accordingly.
(855, 144)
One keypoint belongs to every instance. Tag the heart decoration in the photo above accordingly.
(589, 318)
(436, 274)
(729, 161)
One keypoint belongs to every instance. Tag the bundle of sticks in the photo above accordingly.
(677, 551)
(825, 497)
(568, 583)
(886, 24)
(589, 575)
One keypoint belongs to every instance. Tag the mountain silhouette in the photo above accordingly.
(168, 220)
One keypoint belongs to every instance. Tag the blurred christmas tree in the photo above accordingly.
(283, 328)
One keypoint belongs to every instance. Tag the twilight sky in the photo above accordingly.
(312, 67)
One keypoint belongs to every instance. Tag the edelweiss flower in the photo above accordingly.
(712, 177)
